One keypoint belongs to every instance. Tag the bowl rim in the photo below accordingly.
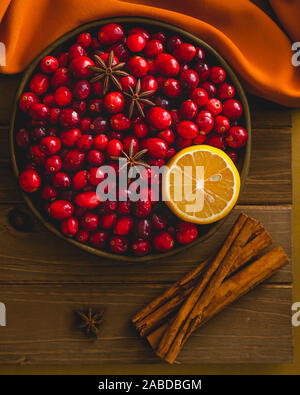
(156, 23)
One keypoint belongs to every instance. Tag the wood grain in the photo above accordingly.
(41, 256)
(41, 327)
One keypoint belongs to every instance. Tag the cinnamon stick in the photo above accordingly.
(234, 287)
(175, 335)
(155, 313)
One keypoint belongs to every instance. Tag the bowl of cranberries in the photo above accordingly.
(130, 88)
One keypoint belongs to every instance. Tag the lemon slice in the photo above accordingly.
(201, 184)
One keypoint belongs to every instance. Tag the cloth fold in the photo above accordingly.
(252, 43)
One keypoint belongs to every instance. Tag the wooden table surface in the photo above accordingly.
(43, 280)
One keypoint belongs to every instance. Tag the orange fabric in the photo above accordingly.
(255, 46)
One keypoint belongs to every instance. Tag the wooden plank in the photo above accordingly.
(8, 87)
(270, 166)
(40, 256)
(270, 177)
(41, 327)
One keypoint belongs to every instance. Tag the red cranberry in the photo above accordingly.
(54, 115)
(136, 42)
(80, 67)
(38, 133)
(80, 180)
(188, 109)
(175, 116)
(216, 140)
(174, 43)
(217, 74)
(141, 208)
(128, 81)
(159, 118)
(27, 100)
(82, 89)
(85, 142)
(69, 226)
(128, 141)
(138, 66)
(89, 200)
(95, 157)
(232, 109)
(118, 244)
(90, 221)
(182, 143)
(53, 164)
(199, 55)
(156, 162)
(61, 209)
(171, 87)
(37, 155)
(159, 221)
(60, 77)
(160, 36)
(49, 193)
(100, 142)
(84, 39)
(75, 51)
(114, 102)
(214, 106)
(107, 207)
(120, 51)
(61, 180)
(110, 34)
(123, 226)
(99, 239)
(114, 134)
(167, 135)
(95, 106)
(69, 118)
(209, 88)
(62, 96)
(95, 176)
(141, 247)
(205, 121)
(226, 91)
(199, 139)
(140, 130)
(49, 64)
(39, 112)
(199, 96)
(222, 124)
(142, 31)
(97, 88)
(142, 228)
(39, 84)
(154, 48)
(233, 155)
(124, 208)
(167, 65)
(22, 138)
(82, 236)
(107, 221)
(120, 122)
(149, 83)
(203, 70)
(163, 241)
(50, 145)
(189, 79)
(237, 137)
(157, 148)
(185, 53)
(63, 59)
(30, 181)
(104, 56)
(49, 100)
(74, 160)
(99, 125)
(70, 136)
(187, 129)
(186, 232)
(114, 148)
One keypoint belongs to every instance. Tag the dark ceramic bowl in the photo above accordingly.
(152, 25)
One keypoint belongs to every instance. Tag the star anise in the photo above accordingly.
(137, 98)
(132, 159)
(108, 72)
(91, 321)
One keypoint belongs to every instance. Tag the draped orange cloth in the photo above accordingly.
(256, 46)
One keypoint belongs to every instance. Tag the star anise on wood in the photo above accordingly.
(137, 98)
(132, 159)
(91, 321)
(108, 72)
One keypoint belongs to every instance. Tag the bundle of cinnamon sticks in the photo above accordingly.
(169, 320)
